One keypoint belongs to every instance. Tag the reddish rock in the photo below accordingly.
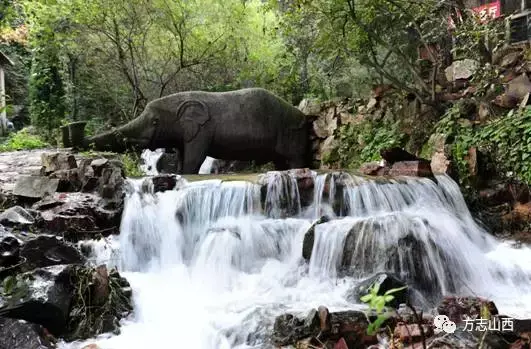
(372, 169)
(91, 346)
(410, 333)
(341, 344)
(324, 318)
(458, 308)
(100, 282)
(419, 168)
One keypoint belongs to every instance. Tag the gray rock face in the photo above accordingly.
(35, 187)
(44, 251)
(19, 334)
(42, 296)
(461, 70)
(52, 162)
(16, 215)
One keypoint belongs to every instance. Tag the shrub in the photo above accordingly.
(22, 140)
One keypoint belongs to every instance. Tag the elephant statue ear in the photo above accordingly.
(192, 115)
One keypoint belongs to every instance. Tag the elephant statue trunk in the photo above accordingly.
(248, 124)
(122, 139)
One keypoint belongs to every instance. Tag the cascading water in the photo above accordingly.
(212, 263)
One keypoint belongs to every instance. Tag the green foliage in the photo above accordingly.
(509, 140)
(362, 142)
(460, 135)
(131, 163)
(378, 303)
(22, 140)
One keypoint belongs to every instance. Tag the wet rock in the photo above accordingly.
(395, 154)
(169, 163)
(385, 282)
(19, 334)
(288, 329)
(419, 168)
(312, 321)
(461, 70)
(305, 185)
(161, 183)
(16, 215)
(35, 187)
(44, 251)
(52, 162)
(458, 308)
(42, 296)
(72, 301)
(372, 169)
(351, 325)
(324, 319)
(9, 251)
(309, 239)
(81, 215)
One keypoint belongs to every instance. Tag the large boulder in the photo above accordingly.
(351, 326)
(19, 334)
(79, 215)
(42, 296)
(35, 187)
(44, 251)
(52, 162)
(309, 238)
(71, 301)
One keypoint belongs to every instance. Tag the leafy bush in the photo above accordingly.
(362, 142)
(131, 163)
(22, 140)
(507, 139)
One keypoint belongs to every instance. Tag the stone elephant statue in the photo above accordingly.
(247, 124)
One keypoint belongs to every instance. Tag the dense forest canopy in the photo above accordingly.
(103, 60)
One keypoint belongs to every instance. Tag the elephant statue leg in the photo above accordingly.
(195, 153)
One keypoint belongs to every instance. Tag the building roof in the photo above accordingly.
(4, 60)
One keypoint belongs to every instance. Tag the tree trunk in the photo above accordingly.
(3, 116)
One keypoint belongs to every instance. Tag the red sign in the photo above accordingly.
(488, 11)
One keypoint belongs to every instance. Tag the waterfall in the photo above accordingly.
(213, 262)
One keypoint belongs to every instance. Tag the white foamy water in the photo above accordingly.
(211, 268)
(151, 157)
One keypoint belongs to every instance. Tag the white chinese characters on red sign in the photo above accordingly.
(489, 11)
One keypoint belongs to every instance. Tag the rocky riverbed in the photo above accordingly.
(51, 291)
(48, 290)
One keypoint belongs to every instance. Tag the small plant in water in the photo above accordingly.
(377, 303)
